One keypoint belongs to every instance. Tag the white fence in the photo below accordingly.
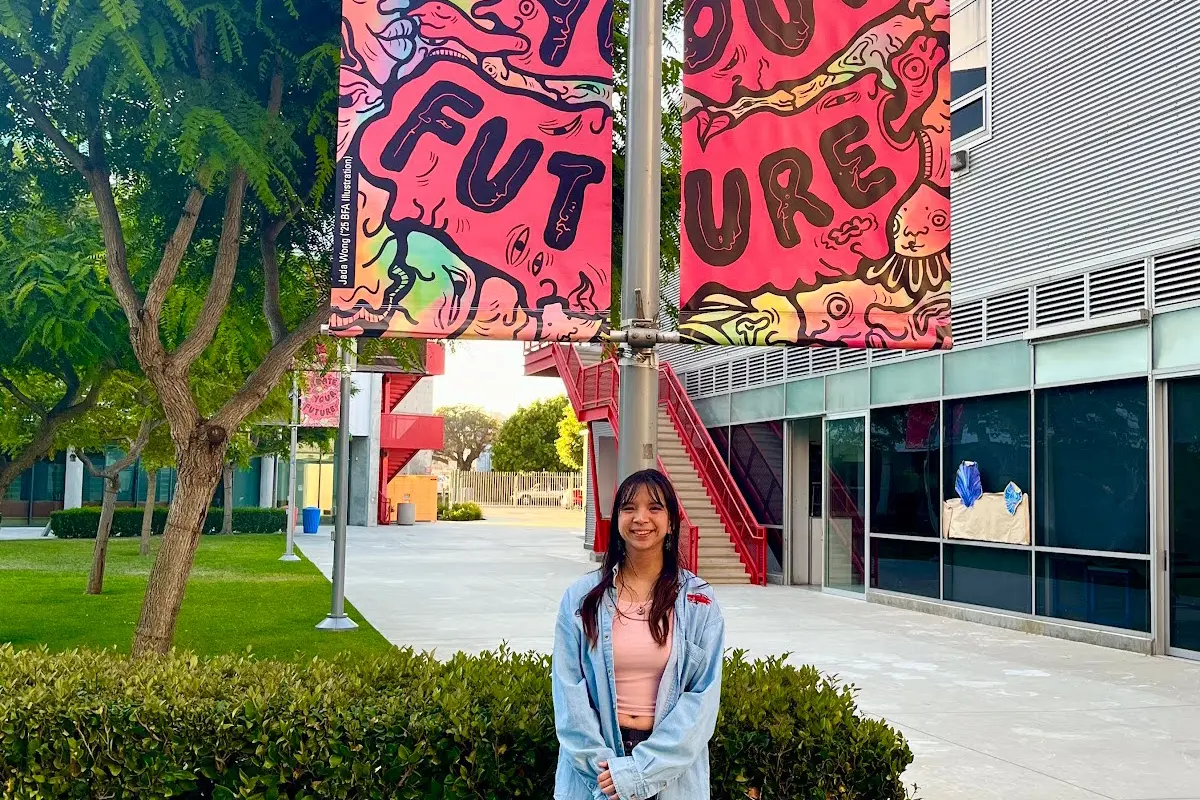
(559, 489)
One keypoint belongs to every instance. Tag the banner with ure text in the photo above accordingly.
(816, 173)
(474, 173)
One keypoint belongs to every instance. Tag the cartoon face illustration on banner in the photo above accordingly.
(816, 185)
(475, 184)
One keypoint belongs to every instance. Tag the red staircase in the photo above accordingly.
(594, 391)
(402, 436)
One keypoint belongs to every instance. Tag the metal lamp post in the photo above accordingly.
(337, 619)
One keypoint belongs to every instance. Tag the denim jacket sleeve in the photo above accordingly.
(575, 719)
(680, 738)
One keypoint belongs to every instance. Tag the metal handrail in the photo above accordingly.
(749, 536)
(604, 379)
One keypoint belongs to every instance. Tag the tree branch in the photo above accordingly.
(224, 268)
(173, 254)
(116, 258)
(87, 463)
(22, 398)
(268, 241)
(272, 368)
(44, 124)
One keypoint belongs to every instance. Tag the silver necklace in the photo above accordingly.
(641, 610)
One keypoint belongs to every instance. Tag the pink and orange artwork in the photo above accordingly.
(816, 185)
(474, 195)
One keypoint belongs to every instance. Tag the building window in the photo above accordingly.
(1103, 591)
(994, 433)
(970, 23)
(1093, 467)
(756, 463)
(905, 565)
(905, 475)
(988, 576)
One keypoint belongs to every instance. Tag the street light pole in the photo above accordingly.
(289, 554)
(638, 413)
(337, 619)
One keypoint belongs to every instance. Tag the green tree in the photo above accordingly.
(570, 440)
(469, 430)
(61, 333)
(191, 131)
(526, 441)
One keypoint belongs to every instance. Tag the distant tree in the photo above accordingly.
(526, 441)
(570, 440)
(469, 430)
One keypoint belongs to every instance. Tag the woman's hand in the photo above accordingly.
(606, 781)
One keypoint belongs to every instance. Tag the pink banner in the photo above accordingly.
(321, 400)
(816, 187)
(474, 191)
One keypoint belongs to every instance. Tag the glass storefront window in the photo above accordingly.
(845, 542)
(994, 433)
(988, 576)
(1093, 467)
(905, 471)
(902, 565)
(1104, 591)
(756, 463)
(1184, 515)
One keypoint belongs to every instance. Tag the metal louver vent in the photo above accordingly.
(721, 378)
(883, 356)
(967, 323)
(1060, 302)
(851, 358)
(824, 360)
(1115, 289)
(706, 380)
(691, 383)
(776, 359)
(741, 374)
(1177, 278)
(799, 361)
(1006, 316)
(758, 369)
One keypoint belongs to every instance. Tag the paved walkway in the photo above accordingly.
(20, 533)
(989, 714)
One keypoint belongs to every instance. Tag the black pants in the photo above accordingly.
(631, 738)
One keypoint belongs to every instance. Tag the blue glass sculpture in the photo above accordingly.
(967, 483)
(1012, 497)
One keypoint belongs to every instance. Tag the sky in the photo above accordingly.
(491, 375)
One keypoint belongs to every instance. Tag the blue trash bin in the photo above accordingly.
(311, 519)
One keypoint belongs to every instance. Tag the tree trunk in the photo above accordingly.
(199, 470)
(227, 524)
(148, 511)
(112, 483)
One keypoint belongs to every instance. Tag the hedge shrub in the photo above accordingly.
(88, 724)
(460, 512)
(80, 523)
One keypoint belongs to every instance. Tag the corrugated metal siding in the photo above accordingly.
(1092, 151)
(1091, 165)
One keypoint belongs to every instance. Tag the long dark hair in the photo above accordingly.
(667, 587)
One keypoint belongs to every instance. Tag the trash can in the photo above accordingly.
(312, 519)
(406, 513)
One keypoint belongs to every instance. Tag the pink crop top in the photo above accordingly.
(638, 661)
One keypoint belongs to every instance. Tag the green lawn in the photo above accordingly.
(240, 596)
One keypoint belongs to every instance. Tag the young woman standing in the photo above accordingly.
(638, 650)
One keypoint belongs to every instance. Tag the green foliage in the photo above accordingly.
(80, 523)
(569, 443)
(76, 725)
(459, 512)
(526, 441)
(469, 430)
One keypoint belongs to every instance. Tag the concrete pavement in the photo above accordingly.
(989, 713)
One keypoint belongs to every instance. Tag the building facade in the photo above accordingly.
(1075, 373)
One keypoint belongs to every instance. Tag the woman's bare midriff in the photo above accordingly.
(635, 723)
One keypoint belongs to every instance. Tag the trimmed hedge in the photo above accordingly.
(88, 724)
(80, 523)
(460, 512)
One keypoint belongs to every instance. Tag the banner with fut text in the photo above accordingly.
(474, 173)
(816, 173)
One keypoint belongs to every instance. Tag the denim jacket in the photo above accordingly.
(673, 762)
